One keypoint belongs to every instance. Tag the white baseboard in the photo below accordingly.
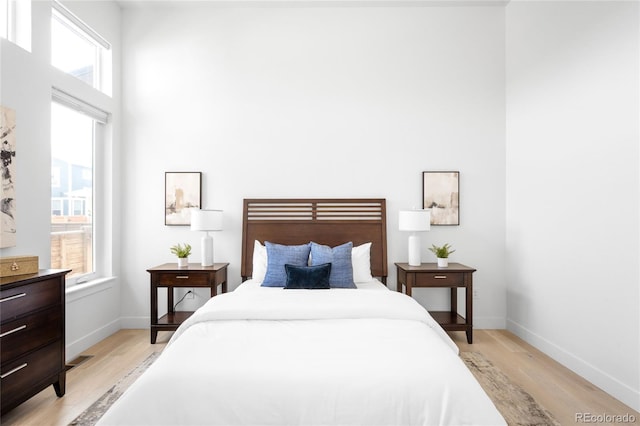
(601, 379)
(135, 323)
(489, 323)
(80, 345)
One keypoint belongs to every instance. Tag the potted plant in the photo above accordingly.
(442, 253)
(183, 253)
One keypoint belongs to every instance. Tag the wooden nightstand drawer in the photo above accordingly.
(25, 334)
(439, 279)
(183, 279)
(28, 298)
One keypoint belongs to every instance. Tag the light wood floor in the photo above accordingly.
(560, 391)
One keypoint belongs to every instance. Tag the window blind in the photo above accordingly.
(79, 105)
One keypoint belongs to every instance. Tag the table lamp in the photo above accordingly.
(206, 220)
(414, 221)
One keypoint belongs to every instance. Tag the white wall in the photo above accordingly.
(573, 184)
(25, 86)
(313, 101)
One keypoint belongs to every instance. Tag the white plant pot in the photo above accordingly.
(443, 262)
(183, 262)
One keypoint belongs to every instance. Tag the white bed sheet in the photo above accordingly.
(307, 357)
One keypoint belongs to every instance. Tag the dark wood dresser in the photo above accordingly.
(32, 344)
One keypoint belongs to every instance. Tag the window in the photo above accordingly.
(78, 50)
(15, 22)
(78, 131)
(72, 142)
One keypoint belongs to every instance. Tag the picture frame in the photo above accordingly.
(441, 194)
(8, 211)
(182, 192)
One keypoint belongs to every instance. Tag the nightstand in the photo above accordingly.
(170, 276)
(454, 276)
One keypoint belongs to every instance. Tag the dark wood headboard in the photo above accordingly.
(326, 221)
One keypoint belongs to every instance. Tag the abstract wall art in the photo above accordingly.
(182, 193)
(441, 194)
(7, 177)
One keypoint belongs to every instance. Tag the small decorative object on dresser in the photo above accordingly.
(32, 334)
(171, 276)
(18, 265)
(456, 276)
(442, 254)
(182, 253)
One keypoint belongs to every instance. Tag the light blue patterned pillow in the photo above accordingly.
(340, 259)
(277, 256)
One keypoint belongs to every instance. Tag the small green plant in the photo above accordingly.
(442, 252)
(181, 251)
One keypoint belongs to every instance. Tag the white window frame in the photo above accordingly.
(102, 75)
(15, 22)
(101, 123)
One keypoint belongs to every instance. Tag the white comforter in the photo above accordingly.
(307, 357)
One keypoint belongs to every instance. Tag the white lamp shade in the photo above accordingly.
(206, 220)
(414, 220)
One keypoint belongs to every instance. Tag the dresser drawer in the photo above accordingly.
(186, 279)
(437, 279)
(21, 300)
(19, 376)
(27, 333)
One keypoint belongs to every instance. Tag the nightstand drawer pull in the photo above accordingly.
(182, 277)
(18, 368)
(16, 296)
(6, 333)
(440, 277)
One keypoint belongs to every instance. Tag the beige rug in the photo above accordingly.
(516, 406)
(91, 415)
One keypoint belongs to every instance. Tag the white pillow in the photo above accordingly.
(259, 261)
(361, 261)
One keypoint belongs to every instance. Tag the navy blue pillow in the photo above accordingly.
(308, 277)
(341, 264)
(279, 255)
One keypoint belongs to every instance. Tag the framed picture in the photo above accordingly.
(8, 177)
(441, 194)
(182, 192)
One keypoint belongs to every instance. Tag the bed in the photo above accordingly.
(261, 355)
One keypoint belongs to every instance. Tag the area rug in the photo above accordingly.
(516, 406)
(91, 415)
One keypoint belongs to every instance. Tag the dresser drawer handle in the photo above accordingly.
(182, 277)
(15, 296)
(6, 333)
(18, 368)
(440, 277)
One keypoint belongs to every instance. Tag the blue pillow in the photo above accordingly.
(308, 277)
(277, 256)
(340, 259)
